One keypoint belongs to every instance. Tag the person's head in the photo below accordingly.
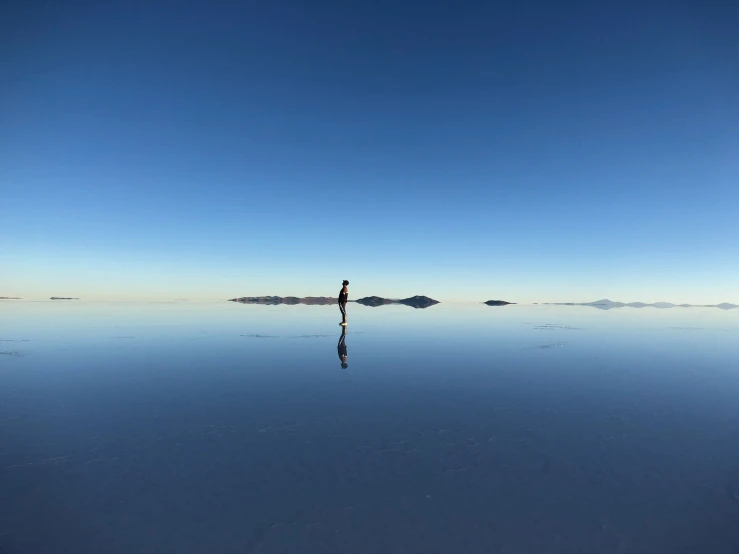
(345, 283)
(344, 365)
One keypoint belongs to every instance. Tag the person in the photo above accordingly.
(342, 348)
(343, 298)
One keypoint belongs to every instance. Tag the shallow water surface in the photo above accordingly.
(227, 428)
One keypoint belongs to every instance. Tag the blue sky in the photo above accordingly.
(530, 151)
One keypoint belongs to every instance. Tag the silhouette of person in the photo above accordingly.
(343, 298)
(342, 348)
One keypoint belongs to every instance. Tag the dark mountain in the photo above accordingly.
(291, 300)
(311, 300)
(419, 301)
(498, 303)
(414, 301)
(10, 298)
(374, 301)
(62, 298)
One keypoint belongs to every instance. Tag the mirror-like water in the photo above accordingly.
(226, 428)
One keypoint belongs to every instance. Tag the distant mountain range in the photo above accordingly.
(607, 304)
(274, 300)
(9, 298)
(414, 301)
(62, 298)
(498, 303)
(425, 302)
(373, 301)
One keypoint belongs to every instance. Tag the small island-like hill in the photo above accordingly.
(498, 303)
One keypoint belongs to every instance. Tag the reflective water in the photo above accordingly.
(225, 428)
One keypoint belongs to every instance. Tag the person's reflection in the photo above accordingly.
(342, 348)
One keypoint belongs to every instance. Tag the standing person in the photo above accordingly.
(343, 297)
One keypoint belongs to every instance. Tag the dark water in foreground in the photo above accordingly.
(224, 428)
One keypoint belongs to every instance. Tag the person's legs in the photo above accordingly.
(342, 307)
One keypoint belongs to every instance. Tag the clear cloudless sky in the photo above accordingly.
(531, 151)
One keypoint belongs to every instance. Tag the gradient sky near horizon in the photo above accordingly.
(531, 151)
